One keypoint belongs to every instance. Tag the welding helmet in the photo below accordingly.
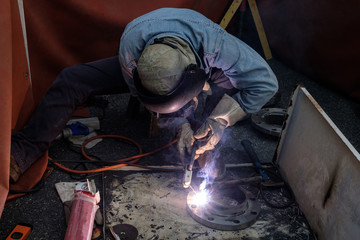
(167, 78)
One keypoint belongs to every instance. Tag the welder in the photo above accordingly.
(166, 59)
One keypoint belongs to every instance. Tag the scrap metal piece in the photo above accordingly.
(322, 168)
(269, 120)
(229, 208)
(124, 232)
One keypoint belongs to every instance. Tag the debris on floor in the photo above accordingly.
(155, 204)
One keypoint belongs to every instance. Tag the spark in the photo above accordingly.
(203, 185)
(201, 198)
(203, 195)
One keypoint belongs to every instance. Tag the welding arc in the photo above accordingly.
(134, 158)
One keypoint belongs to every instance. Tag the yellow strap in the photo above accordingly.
(260, 29)
(256, 16)
(230, 13)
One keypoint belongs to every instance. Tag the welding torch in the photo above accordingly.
(188, 169)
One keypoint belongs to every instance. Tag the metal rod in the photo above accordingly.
(241, 180)
(174, 167)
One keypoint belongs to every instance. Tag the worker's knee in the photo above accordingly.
(65, 78)
(71, 82)
(71, 76)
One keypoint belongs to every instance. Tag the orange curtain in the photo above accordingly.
(64, 33)
(14, 84)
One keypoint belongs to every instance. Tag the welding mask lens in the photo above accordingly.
(186, 111)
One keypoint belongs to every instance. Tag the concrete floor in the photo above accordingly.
(43, 209)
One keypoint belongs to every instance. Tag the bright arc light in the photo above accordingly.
(201, 198)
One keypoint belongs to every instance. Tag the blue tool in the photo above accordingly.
(253, 156)
(76, 128)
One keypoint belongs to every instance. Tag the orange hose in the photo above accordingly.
(134, 158)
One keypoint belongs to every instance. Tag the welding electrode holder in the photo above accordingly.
(188, 169)
(187, 178)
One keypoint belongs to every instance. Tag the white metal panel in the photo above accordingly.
(321, 167)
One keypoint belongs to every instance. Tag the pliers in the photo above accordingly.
(266, 180)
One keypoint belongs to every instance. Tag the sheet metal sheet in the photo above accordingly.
(322, 168)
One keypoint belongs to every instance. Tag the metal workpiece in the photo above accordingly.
(229, 208)
(269, 120)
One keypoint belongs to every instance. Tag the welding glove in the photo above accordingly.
(226, 113)
(185, 140)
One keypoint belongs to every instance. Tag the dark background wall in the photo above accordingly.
(319, 38)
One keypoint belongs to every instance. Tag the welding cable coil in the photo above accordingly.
(123, 162)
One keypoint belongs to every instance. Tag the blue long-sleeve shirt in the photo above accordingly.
(213, 47)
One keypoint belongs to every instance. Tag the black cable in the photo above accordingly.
(79, 176)
(77, 149)
(290, 201)
(34, 189)
(275, 177)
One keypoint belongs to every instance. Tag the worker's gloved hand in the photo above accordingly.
(185, 140)
(213, 130)
(226, 113)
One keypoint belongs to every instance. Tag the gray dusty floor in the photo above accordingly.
(43, 209)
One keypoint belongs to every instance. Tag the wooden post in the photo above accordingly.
(260, 29)
(256, 16)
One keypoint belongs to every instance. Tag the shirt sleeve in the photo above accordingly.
(127, 64)
(247, 71)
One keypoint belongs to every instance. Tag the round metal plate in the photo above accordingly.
(269, 120)
(124, 232)
(224, 212)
